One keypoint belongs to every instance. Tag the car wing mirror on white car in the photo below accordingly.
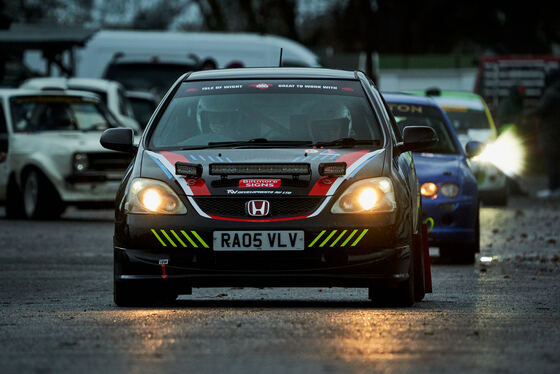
(119, 139)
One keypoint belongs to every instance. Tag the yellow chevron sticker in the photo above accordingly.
(349, 237)
(158, 238)
(178, 238)
(175, 237)
(327, 239)
(338, 238)
(200, 239)
(359, 238)
(189, 239)
(168, 238)
(316, 238)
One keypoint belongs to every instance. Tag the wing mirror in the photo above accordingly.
(119, 139)
(417, 138)
(473, 148)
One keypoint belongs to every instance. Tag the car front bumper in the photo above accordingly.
(450, 220)
(91, 188)
(380, 255)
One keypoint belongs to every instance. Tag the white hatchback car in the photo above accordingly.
(50, 156)
(111, 93)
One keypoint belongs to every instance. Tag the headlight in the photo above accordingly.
(372, 195)
(80, 162)
(150, 196)
(429, 190)
(450, 190)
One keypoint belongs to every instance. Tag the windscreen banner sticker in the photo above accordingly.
(414, 110)
(405, 108)
(260, 183)
(261, 86)
(218, 87)
(316, 86)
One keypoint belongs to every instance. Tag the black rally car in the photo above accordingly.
(269, 177)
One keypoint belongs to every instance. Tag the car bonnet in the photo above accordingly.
(161, 165)
(435, 167)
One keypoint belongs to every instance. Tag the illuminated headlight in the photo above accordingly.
(372, 195)
(429, 190)
(80, 162)
(507, 153)
(150, 196)
(449, 190)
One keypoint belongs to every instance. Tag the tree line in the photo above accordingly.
(384, 26)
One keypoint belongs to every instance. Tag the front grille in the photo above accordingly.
(234, 207)
(102, 161)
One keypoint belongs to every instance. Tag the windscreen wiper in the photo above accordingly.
(260, 142)
(347, 142)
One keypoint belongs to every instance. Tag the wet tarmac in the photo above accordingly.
(500, 315)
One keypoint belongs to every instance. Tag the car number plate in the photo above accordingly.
(258, 241)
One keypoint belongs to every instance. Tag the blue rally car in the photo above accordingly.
(448, 187)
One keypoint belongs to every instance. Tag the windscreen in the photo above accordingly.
(57, 113)
(276, 110)
(424, 115)
(464, 119)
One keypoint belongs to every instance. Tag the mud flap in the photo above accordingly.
(427, 262)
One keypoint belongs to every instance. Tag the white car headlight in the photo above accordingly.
(80, 162)
(450, 190)
(150, 196)
(373, 195)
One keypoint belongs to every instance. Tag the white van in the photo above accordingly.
(152, 60)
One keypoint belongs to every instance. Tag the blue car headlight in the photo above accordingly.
(449, 190)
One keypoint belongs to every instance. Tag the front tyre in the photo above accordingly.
(14, 201)
(127, 293)
(419, 270)
(459, 254)
(401, 296)
(40, 199)
(140, 293)
(463, 253)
